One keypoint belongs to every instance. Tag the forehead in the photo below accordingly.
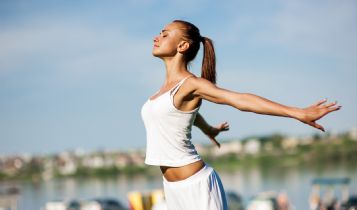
(171, 27)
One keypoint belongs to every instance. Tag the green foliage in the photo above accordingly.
(131, 170)
(321, 152)
(3, 176)
(109, 171)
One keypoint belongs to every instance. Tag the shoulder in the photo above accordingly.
(198, 82)
(201, 87)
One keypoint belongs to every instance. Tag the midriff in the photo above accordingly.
(173, 174)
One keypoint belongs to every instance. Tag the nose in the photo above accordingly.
(156, 39)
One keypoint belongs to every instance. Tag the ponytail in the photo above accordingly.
(209, 61)
(192, 34)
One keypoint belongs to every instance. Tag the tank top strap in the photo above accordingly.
(177, 87)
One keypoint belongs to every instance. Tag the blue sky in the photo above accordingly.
(74, 74)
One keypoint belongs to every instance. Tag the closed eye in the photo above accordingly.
(163, 33)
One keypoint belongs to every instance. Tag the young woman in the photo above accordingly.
(189, 183)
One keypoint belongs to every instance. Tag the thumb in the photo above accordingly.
(214, 141)
(314, 124)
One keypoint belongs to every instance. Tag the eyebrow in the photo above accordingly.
(164, 30)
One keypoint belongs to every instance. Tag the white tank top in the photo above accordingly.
(168, 131)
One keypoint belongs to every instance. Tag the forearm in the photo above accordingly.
(201, 123)
(253, 103)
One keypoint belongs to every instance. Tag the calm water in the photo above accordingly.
(294, 181)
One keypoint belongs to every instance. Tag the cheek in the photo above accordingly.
(168, 46)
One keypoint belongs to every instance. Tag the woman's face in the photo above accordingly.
(166, 43)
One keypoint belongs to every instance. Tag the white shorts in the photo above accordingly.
(201, 191)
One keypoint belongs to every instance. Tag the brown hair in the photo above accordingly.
(192, 34)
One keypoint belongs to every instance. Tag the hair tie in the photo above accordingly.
(202, 39)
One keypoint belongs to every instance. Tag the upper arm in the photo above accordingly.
(209, 91)
(242, 101)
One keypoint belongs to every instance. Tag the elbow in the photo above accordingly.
(217, 100)
(222, 102)
(242, 102)
(242, 108)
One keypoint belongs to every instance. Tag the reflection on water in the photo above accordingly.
(296, 182)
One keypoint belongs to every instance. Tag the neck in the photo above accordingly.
(175, 68)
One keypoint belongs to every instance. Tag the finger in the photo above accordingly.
(223, 126)
(331, 104)
(320, 102)
(314, 124)
(226, 125)
(332, 109)
(214, 141)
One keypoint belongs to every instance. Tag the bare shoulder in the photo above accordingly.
(196, 83)
(204, 89)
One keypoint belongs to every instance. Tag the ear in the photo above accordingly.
(183, 46)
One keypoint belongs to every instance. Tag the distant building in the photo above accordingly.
(202, 149)
(252, 146)
(232, 147)
(306, 140)
(66, 164)
(48, 169)
(11, 165)
(268, 146)
(122, 160)
(290, 143)
(353, 134)
(137, 158)
(93, 161)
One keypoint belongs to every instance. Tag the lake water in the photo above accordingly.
(295, 181)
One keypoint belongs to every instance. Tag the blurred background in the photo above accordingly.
(74, 75)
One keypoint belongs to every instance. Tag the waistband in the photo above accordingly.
(205, 171)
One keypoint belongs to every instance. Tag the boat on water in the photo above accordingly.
(155, 200)
(62, 205)
(91, 204)
(350, 204)
(269, 201)
(332, 194)
(8, 198)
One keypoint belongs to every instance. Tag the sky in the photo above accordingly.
(74, 74)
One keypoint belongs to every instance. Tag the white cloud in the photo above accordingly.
(325, 27)
(72, 50)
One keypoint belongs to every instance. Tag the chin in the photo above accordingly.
(156, 54)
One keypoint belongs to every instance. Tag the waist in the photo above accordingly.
(173, 174)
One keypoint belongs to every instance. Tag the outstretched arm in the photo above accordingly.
(209, 130)
(253, 103)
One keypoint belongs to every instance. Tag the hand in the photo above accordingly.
(214, 131)
(316, 111)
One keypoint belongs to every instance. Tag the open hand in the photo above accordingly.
(316, 111)
(214, 131)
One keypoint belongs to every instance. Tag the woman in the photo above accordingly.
(169, 114)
